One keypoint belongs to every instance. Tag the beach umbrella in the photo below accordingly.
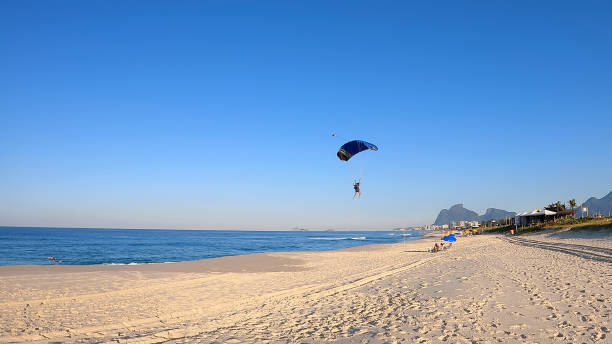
(449, 238)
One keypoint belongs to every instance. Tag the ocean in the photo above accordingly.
(86, 246)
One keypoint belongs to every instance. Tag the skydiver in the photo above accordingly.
(357, 189)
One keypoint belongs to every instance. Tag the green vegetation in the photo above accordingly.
(496, 229)
(584, 223)
(557, 206)
(571, 223)
(506, 225)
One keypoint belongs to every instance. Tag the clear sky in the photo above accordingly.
(219, 114)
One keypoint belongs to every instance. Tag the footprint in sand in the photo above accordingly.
(500, 306)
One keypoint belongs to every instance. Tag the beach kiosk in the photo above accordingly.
(535, 216)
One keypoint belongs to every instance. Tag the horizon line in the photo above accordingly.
(219, 230)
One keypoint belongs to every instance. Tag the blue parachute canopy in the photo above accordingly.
(353, 147)
(450, 238)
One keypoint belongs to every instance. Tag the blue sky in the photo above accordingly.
(219, 114)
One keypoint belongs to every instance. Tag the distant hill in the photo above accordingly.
(495, 214)
(459, 213)
(455, 213)
(600, 205)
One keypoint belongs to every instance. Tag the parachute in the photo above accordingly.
(349, 149)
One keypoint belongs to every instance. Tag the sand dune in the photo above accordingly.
(539, 288)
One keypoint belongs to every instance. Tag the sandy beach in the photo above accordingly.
(551, 287)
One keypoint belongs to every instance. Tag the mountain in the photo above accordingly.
(495, 214)
(459, 213)
(455, 213)
(599, 205)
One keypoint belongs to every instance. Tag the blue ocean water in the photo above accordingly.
(84, 246)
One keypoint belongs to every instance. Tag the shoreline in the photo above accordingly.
(237, 263)
(190, 265)
(486, 288)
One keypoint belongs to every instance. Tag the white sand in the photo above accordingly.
(550, 287)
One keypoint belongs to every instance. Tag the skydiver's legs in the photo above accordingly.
(359, 194)
(355, 194)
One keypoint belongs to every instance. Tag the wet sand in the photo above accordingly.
(543, 288)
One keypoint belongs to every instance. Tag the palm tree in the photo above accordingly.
(572, 204)
(557, 206)
(560, 206)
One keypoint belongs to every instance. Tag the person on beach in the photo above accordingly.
(436, 248)
(54, 260)
(357, 189)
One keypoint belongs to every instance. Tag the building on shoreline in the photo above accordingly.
(528, 218)
(537, 216)
(455, 225)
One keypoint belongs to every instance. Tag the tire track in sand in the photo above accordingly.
(173, 325)
(311, 294)
(587, 252)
